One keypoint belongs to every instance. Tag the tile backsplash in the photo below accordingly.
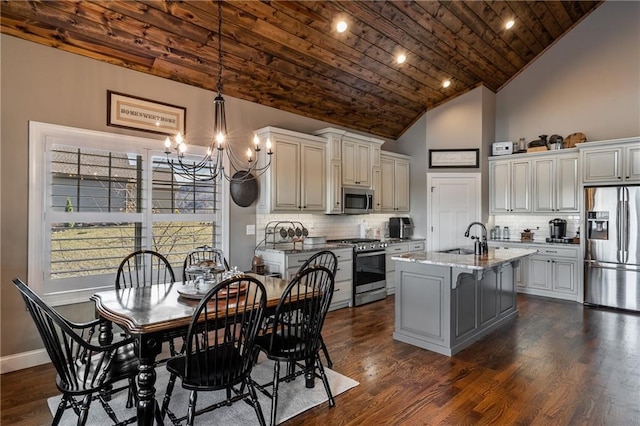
(330, 226)
(539, 225)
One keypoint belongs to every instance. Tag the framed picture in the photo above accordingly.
(132, 112)
(454, 158)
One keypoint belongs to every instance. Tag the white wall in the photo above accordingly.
(588, 82)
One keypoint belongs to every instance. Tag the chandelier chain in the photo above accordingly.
(211, 166)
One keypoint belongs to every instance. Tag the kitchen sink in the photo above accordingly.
(458, 250)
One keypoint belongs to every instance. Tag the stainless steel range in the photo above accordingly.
(369, 272)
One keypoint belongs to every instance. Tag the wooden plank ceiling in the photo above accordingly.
(288, 55)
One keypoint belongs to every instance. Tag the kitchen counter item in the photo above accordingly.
(526, 235)
(284, 232)
(573, 139)
(310, 241)
(555, 142)
(557, 228)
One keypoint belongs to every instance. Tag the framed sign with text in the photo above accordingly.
(132, 112)
(454, 158)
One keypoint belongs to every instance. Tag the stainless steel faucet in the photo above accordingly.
(480, 247)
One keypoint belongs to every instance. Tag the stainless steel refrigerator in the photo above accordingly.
(612, 252)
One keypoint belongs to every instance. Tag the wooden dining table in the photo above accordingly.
(152, 314)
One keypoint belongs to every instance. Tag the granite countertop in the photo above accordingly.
(468, 261)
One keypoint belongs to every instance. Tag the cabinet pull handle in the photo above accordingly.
(551, 251)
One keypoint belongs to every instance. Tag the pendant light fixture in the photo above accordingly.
(211, 166)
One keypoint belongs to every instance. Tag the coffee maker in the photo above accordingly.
(400, 227)
(558, 231)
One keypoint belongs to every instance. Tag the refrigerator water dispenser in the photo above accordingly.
(598, 225)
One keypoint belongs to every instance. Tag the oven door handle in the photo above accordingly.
(370, 253)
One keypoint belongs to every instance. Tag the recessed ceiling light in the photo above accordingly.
(446, 83)
(341, 26)
(401, 58)
(510, 23)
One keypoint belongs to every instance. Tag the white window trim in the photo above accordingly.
(39, 135)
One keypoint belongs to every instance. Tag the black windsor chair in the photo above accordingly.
(84, 370)
(329, 260)
(220, 347)
(145, 268)
(295, 334)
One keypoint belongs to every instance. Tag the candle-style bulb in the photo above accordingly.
(167, 143)
(269, 145)
(179, 139)
(249, 154)
(220, 140)
(256, 141)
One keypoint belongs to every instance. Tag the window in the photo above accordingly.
(95, 197)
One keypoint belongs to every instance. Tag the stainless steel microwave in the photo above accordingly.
(357, 200)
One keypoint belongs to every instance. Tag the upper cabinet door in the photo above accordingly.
(521, 186)
(356, 163)
(314, 178)
(602, 165)
(567, 184)
(510, 186)
(544, 185)
(500, 186)
(632, 164)
(402, 186)
(555, 184)
(285, 193)
(387, 186)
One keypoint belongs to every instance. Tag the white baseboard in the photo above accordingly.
(23, 360)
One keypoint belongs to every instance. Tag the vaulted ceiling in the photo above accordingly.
(288, 54)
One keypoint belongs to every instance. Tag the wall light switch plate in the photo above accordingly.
(251, 230)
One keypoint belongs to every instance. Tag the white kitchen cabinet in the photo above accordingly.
(376, 185)
(556, 183)
(297, 178)
(287, 265)
(552, 272)
(611, 162)
(556, 275)
(510, 186)
(394, 187)
(334, 197)
(358, 156)
(632, 163)
(395, 249)
(356, 162)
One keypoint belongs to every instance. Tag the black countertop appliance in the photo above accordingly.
(400, 227)
(557, 228)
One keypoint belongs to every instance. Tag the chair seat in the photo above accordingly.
(282, 347)
(225, 360)
(124, 364)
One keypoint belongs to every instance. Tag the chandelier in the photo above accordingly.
(211, 167)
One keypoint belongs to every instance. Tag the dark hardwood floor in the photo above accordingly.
(558, 364)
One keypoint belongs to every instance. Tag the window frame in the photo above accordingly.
(42, 135)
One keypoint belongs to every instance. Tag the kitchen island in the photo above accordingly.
(447, 301)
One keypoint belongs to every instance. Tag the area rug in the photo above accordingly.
(293, 399)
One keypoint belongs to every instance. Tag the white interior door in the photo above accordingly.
(454, 201)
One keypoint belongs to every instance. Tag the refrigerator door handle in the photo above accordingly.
(625, 233)
(619, 226)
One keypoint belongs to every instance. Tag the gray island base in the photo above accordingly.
(445, 302)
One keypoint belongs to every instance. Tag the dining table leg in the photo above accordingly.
(148, 410)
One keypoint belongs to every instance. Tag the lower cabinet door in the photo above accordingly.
(540, 272)
(564, 276)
